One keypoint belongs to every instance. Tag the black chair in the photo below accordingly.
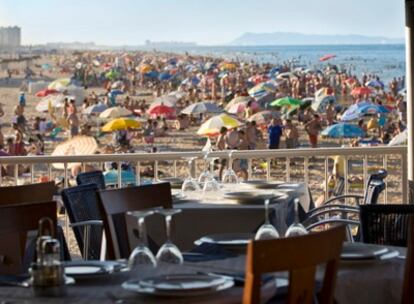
(81, 203)
(93, 177)
(385, 224)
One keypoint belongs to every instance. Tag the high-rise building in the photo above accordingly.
(10, 37)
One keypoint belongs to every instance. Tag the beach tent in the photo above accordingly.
(212, 126)
(343, 130)
(201, 108)
(115, 112)
(121, 124)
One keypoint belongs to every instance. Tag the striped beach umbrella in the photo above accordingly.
(212, 126)
(115, 112)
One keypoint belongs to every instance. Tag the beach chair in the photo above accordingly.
(16, 223)
(385, 224)
(114, 203)
(299, 256)
(93, 177)
(81, 203)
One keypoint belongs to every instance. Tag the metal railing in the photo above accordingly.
(362, 154)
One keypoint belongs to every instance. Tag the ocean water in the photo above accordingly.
(384, 60)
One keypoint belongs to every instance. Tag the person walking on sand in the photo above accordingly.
(275, 132)
(313, 128)
(220, 146)
(291, 134)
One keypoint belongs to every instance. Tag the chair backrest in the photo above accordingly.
(81, 203)
(375, 185)
(385, 224)
(300, 256)
(408, 293)
(41, 192)
(93, 177)
(116, 202)
(15, 223)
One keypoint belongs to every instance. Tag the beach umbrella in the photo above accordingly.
(161, 109)
(320, 104)
(78, 145)
(343, 130)
(361, 91)
(145, 68)
(95, 109)
(178, 94)
(353, 112)
(261, 89)
(374, 84)
(59, 84)
(286, 102)
(112, 74)
(166, 100)
(46, 92)
(228, 66)
(212, 126)
(194, 81)
(115, 112)
(164, 76)
(399, 139)
(239, 99)
(286, 75)
(238, 107)
(327, 57)
(201, 108)
(258, 79)
(121, 124)
(50, 101)
(264, 117)
(372, 109)
(46, 66)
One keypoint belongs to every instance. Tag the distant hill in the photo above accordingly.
(285, 38)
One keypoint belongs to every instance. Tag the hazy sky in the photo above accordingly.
(203, 21)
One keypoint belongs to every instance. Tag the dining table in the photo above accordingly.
(358, 281)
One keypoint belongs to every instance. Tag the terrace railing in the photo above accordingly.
(288, 165)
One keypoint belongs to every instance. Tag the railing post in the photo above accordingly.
(138, 173)
(31, 173)
(16, 174)
(346, 174)
(365, 172)
(385, 166)
(326, 178)
(306, 169)
(404, 181)
(287, 169)
(119, 179)
(175, 168)
(268, 165)
(249, 169)
(156, 170)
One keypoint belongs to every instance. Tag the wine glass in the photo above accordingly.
(141, 255)
(267, 231)
(189, 184)
(296, 229)
(205, 175)
(229, 176)
(169, 253)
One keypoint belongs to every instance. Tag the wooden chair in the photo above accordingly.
(116, 202)
(15, 223)
(300, 256)
(41, 192)
(408, 293)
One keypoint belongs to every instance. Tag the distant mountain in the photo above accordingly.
(285, 38)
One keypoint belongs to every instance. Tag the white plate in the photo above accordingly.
(183, 282)
(82, 270)
(135, 286)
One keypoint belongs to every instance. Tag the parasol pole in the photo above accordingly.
(409, 40)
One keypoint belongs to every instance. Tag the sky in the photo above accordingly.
(208, 22)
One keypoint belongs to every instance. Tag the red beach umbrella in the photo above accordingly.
(327, 57)
(361, 91)
(46, 92)
(161, 110)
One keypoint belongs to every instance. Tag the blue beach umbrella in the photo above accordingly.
(151, 74)
(164, 76)
(94, 109)
(372, 109)
(343, 130)
(353, 111)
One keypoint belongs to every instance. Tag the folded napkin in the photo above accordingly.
(207, 252)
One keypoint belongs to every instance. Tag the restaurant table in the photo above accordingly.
(202, 216)
(372, 281)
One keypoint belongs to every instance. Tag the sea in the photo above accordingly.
(385, 60)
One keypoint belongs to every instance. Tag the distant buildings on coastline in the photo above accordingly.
(163, 44)
(10, 37)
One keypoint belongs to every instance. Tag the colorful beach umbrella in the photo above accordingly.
(78, 145)
(121, 124)
(212, 126)
(320, 104)
(286, 102)
(59, 84)
(95, 109)
(161, 110)
(343, 130)
(112, 74)
(353, 111)
(201, 108)
(115, 112)
(399, 139)
(327, 57)
(361, 91)
(50, 101)
(372, 109)
(374, 84)
(264, 117)
(166, 100)
(262, 89)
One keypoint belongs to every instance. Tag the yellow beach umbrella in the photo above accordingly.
(115, 112)
(212, 126)
(121, 124)
(228, 66)
(145, 68)
(59, 84)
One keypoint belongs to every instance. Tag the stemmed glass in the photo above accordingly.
(205, 175)
(169, 253)
(189, 184)
(141, 255)
(211, 185)
(229, 176)
(267, 231)
(296, 229)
